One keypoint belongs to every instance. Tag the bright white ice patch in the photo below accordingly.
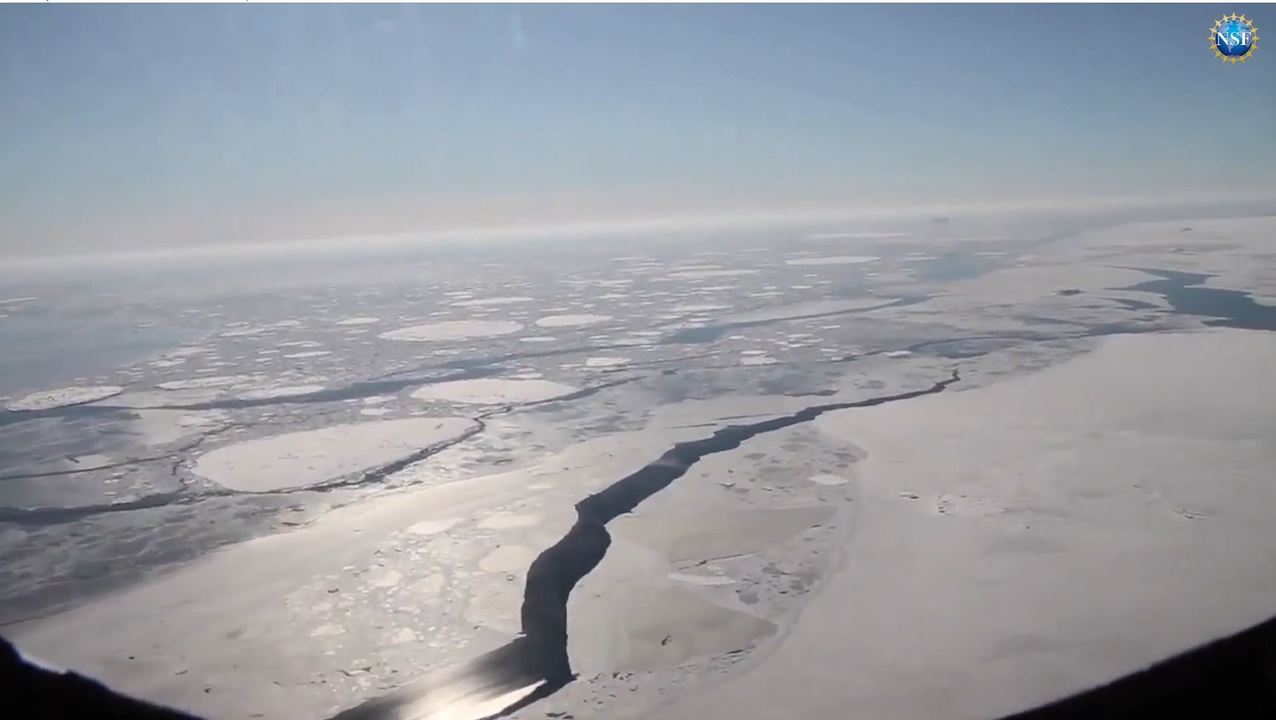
(698, 274)
(698, 308)
(605, 362)
(832, 260)
(493, 301)
(854, 236)
(452, 330)
(571, 320)
(805, 309)
(213, 381)
(314, 457)
(366, 320)
(493, 391)
(278, 392)
(63, 397)
(827, 479)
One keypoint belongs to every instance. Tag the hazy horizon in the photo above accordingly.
(144, 127)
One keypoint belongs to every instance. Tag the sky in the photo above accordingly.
(143, 126)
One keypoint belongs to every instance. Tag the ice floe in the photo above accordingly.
(831, 260)
(493, 301)
(493, 391)
(508, 558)
(213, 381)
(267, 393)
(316, 457)
(855, 236)
(707, 307)
(699, 274)
(571, 320)
(828, 479)
(452, 330)
(63, 397)
(505, 521)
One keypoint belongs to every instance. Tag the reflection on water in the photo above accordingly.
(1229, 308)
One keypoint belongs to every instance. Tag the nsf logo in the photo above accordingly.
(1233, 38)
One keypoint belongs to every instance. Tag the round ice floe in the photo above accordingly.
(832, 260)
(358, 321)
(827, 479)
(63, 397)
(571, 320)
(493, 391)
(493, 301)
(452, 330)
(314, 457)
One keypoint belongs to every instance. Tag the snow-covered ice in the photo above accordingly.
(493, 301)
(701, 274)
(831, 260)
(213, 381)
(315, 457)
(63, 397)
(493, 391)
(453, 330)
(362, 320)
(555, 321)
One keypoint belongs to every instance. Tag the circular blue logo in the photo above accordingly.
(1233, 38)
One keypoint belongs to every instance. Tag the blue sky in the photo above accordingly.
(133, 126)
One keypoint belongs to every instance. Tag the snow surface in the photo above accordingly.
(316, 457)
(63, 397)
(571, 320)
(831, 260)
(493, 391)
(452, 330)
(493, 301)
(363, 320)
